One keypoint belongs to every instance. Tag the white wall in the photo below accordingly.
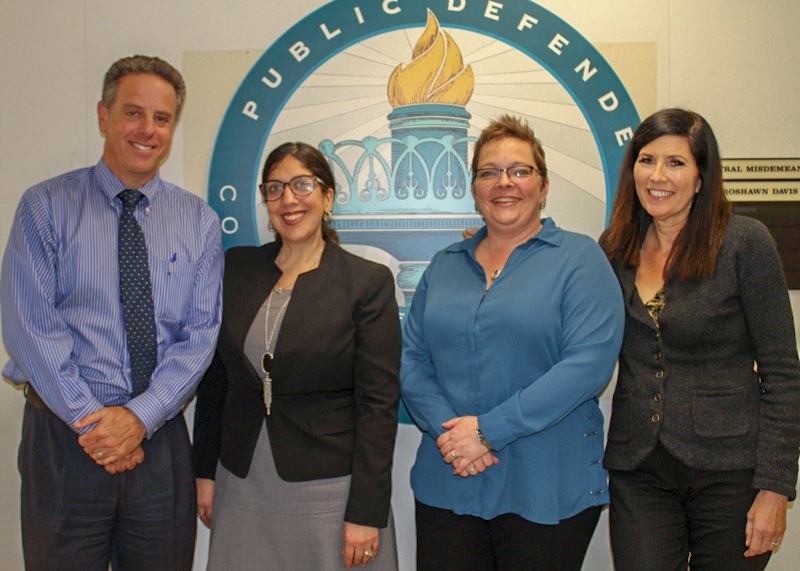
(734, 61)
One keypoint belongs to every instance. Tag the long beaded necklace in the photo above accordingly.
(266, 358)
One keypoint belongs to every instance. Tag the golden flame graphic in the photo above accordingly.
(435, 75)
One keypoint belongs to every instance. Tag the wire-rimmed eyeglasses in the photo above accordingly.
(513, 172)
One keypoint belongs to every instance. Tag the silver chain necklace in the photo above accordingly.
(266, 358)
(496, 273)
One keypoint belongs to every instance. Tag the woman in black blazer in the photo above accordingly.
(296, 418)
(703, 442)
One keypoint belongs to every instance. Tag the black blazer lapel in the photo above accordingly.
(254, 270)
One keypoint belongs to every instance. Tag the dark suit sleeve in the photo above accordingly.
(377, 394)
(765, 302)
(207, 434)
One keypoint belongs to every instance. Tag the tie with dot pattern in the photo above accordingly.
(136, 294)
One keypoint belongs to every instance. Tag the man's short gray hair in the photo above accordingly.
(143, 64)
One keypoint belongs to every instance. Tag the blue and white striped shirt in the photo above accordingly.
(62, 316)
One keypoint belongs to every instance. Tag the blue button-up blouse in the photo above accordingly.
(528, 357)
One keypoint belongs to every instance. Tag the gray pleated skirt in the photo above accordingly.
(264, 523)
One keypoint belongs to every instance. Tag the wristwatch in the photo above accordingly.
(482, 438)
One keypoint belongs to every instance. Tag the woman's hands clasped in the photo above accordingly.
(461, 448)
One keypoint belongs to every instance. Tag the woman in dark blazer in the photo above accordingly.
(703, 443)
(296, 418)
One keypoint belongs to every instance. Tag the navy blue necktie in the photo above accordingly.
(136, 294)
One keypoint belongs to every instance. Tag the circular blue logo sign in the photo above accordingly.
(509, 51)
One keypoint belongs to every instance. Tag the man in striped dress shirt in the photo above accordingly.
(106, 471)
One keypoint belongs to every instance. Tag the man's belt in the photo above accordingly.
(34, 399)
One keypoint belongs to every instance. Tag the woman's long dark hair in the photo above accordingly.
(695, 250)
(314, 161)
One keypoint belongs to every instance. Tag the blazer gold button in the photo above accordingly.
(656, 417)
(660, 375)
(657, 397)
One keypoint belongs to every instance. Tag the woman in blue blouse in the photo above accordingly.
(510, 337)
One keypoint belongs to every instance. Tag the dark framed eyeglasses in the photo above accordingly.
(513, 172)
(302, 185)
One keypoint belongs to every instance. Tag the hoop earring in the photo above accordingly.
(542, 205)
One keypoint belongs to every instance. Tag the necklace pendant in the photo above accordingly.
(495, 274)
(268, 394)
(266, 362)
